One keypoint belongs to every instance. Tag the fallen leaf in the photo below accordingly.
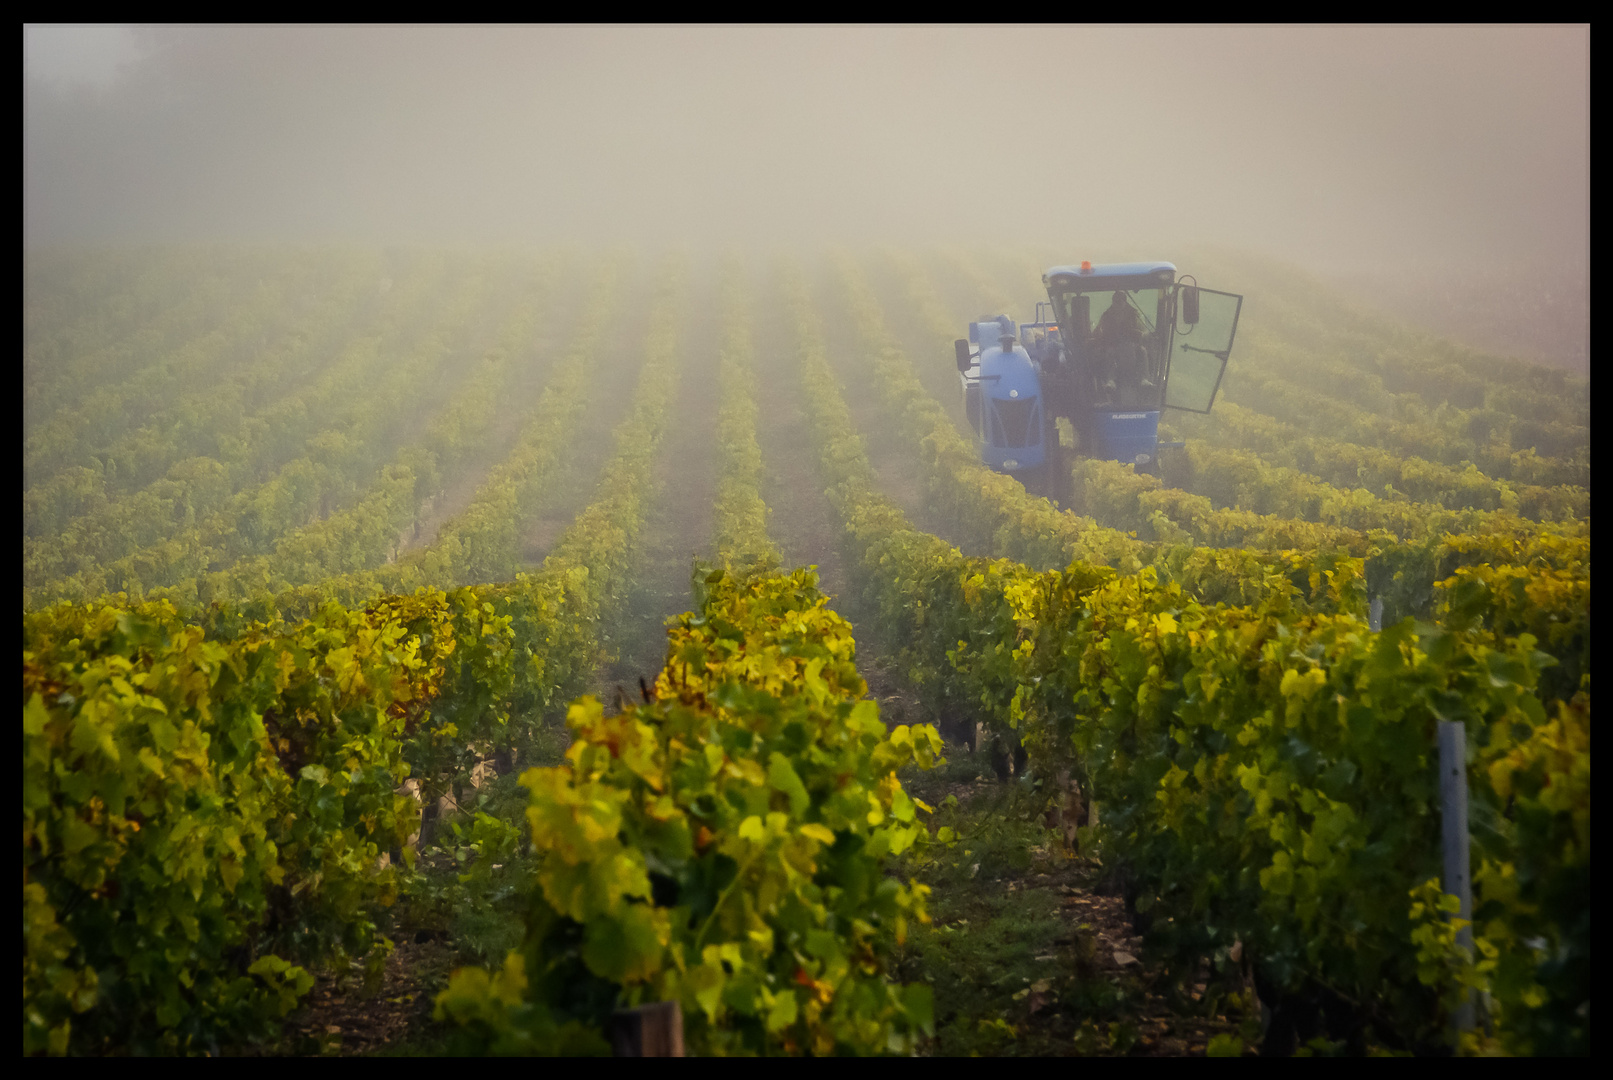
(1122, 958)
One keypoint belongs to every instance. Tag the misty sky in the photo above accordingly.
(1339, 147)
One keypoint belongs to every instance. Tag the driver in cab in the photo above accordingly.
(1119, 337)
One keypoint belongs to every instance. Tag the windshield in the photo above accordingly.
(1115, 343)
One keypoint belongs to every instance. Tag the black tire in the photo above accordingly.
(1051, 479)
(1035, 480)
(1059, 486)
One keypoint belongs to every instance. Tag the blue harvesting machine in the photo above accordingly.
(1110, 348)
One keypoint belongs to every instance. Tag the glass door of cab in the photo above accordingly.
(1201, 340)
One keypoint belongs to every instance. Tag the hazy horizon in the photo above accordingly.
(1402, 154)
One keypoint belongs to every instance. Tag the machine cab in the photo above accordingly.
(1002, 396)
(1132, 341)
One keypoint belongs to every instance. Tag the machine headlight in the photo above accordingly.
(1143, 459)
(1010, 464)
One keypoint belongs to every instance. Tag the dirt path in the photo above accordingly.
(514, 408)
(453, 499)
(897, 467)
(460, 491)
(1032, 952)
(591, 443)
(341, 1017)
(933, 361)
(679, 524)
(802, 523)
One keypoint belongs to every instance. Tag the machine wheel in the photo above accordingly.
(1051, 479)
(1060, 487)
(1032, 479)
(1039, 481)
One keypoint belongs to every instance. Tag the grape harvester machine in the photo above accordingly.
(1111, 347)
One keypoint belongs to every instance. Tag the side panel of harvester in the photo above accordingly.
(1003, 400)
(1116, 346)
(1126, 436)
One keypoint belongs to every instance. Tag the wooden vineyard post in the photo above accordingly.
(1453, 817)
(648, 1031)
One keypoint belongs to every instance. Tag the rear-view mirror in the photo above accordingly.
(964, 359)
(1190, 305)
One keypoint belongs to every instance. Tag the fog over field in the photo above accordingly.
(570, 540)
(1442, 171)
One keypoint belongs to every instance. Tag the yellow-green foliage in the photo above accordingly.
(1301, 746)
(1380, 471)
(1266, 768)
(314, 452)
(721, 847)
(741, 515)
(206, 794)
(177, 787)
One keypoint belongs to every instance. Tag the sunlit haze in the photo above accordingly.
(1414, 153)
